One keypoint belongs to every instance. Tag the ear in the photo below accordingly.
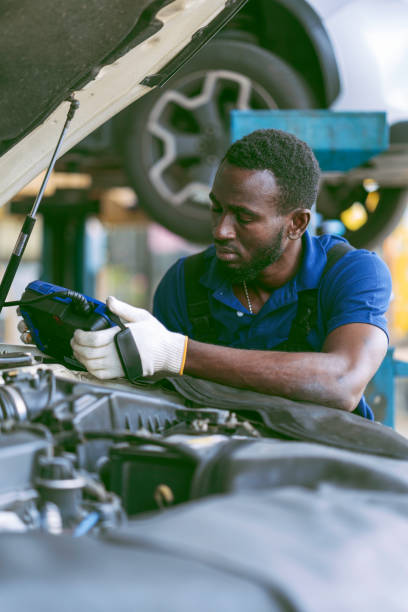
(297, 223)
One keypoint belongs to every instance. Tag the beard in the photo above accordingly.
(262, 258)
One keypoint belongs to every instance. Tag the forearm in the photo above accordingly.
(315, 377)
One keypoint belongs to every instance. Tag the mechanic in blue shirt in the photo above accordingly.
(262, 259)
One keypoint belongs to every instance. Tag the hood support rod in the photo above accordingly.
(30, 219)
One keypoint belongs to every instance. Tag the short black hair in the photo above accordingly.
(291, 161)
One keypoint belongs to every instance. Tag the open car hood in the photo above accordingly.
(107, 52)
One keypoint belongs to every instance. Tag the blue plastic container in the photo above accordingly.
(340, 140)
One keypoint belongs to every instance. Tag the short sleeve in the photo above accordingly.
(356, 290)
(169, 301)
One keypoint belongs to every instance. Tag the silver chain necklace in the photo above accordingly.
(247, 297)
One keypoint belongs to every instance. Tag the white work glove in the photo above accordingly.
(160, 350)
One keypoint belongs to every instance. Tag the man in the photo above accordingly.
(262, 261)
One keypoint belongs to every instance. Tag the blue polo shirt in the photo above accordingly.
(356, 289)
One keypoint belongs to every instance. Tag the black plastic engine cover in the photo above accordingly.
(270, 463)
(140, 476)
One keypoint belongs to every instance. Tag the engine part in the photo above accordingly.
(24, 396)
(19, 452)
(21, 447)
(58, 483)
(17, 359)
(73, 500)
(147, 447)
(148, 477)
(41, 491)
(68, 408)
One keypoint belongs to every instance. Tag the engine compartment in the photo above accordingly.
(180, 492)
(78, 455)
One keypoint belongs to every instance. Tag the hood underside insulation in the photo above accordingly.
(53, 47)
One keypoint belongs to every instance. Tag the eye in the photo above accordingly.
(215, 208)
(244, 219)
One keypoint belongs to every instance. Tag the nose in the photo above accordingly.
(223, 228)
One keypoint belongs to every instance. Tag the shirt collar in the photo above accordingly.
(308, 276)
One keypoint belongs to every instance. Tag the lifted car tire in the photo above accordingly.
(177, 135)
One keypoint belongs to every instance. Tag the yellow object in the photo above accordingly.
(184, 357)
(163, 496)
(372, 200)
(395, 251)
(354, 217)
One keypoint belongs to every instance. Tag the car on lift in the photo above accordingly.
(278, 505)
(275, 54)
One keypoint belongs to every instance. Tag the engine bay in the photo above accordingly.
(80, 456)
(179, 492)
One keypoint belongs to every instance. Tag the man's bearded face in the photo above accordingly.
(261, 258)
(248, 228)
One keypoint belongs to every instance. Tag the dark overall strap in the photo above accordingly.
(198, 307)
(306, 314)
(305, 319)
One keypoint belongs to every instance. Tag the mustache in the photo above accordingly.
(225, 247)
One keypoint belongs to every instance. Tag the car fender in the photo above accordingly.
(315, 30)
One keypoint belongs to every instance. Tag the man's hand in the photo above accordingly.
(25, 334)
(160, 350)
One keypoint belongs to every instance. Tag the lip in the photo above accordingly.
(226, 254)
